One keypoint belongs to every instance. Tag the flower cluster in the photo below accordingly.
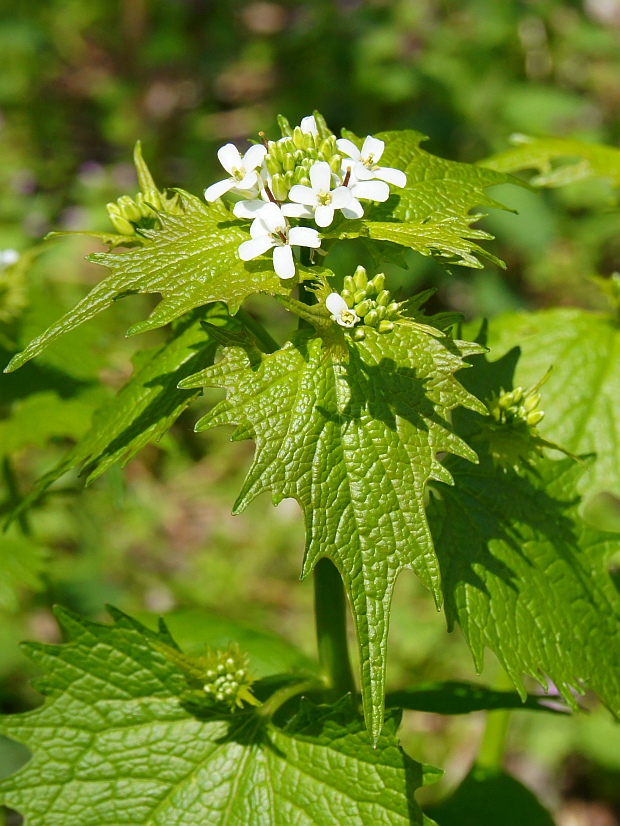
(306, 175)
(366, 300)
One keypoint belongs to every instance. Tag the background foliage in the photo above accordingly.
(79, 83)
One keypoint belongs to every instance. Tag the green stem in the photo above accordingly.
(493, 744)
(258, 331)
(283, 695)
(330, 606)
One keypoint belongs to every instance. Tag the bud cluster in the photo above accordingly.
(226, 677)
(517, 406)
(371, 302)
(128, 214)
(289, 159)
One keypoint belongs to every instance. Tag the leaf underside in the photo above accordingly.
(351, 430)
(114, 743)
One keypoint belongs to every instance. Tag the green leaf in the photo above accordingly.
(147, 406)
(435, 207)
(486, 798)
(524, 576)
(115, 743)
(456, 697)
(191, 260)
(351, 430)
(580, 399)
(583, 160)
(23, 562)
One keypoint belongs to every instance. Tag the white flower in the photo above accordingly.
(308, 126)
(242, 171)
(365, 167)
(369, 190)
(341, 313)
(319, 196)
(269, 230)
(7, 258)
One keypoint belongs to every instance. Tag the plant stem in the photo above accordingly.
(283, 695)
(493, 744)
(258, 331)
(330, 606)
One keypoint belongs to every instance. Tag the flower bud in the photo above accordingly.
(349, 284)
(334, 164)
(129, 209)
(298, 137)
(385, 326)
(279, 188)
(322, 127)
(285, 126)
(348, 297)
(289, 179)
(308, 141)
(378, 282)
(383, 299)
(288, 163)
(120, 224)
(305, 181)
(359, 295)
(359, 334)
(273, 166)
(380, 312)
(371, 318)
(299, 156)
(531, 402)
(533, 418)
(392, 308)
(362, 308)
(328, 147)
(360, 278)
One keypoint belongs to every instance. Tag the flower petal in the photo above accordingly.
(353, 209)
(348, 148)
(308, 125)
(283, 262)
(302, 195)
(254, 156)
(341, 197)
(215, 190)
(304, 237)
(320, 176)
(324, 215)
(272, 217)
(371, 190)
(229, 157)
(336, 304)
(248, 209)
(396, 177)
(255, 247)
(372, 147)
(362, 173)
(296, 211)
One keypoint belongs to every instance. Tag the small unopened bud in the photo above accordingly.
(129, 209)
(383, 299)
(360, 278)
(360, 295)
(288, 163)
(358, 334)
(531, 402)
(371, 318)
(349, 284)
(298, 137)
(285, 126)
(334, 164)
(279, 188)
(362, 308)
(308, 141)
(380, 312)
(348, 297)
(153, 199)
(533, 418)
(378, 282)
(121, 225)
(392, 308)
(385, 326)
(274, 167)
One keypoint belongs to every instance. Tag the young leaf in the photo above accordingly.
(457, 697)
(586, 160)
(147, 406)
(582, 348)
(351, 429)
(115, 743)
(525, 576)
(191, 260)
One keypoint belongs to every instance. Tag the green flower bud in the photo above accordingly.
(120, 224)
(289, 180)
(371, 318)
(383, 299)
(360, 278)
(152, 199)
(273, 166)
(129, 209)
(313, 155)
(334, 164)
(380, 312)
(358, 334)
(285, 126)
(531, 402)
(360, 295)
(298, 137)
(308, 141)
(533, 418)
(322, 127)
(392, 308)
(288, 163)
(305, 181)
(349, 284)
(279, 188)
(348, 297)
(328, 147)
(385, 326)
(363, 307)
(378, 282)
(299, 155)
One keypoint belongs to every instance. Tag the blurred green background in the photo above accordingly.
(80, 82)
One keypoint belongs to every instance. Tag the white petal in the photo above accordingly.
(393, 176)
(304, 237)
(255, 247)
(324, 215)
(302, 195)
(336, 304)
(372, 146)
(248, 209)
(320, 176)
(229, 157)
(283, 262)
(308, 125)
(348, 148)
(353, 209)
(215, 190)
(341, 197)
(372, 190)
(271, 216)
(249, 181)
(362, 173)
(296, 211)
(254, 156)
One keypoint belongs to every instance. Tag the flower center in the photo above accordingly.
(324, 198)
(237, 173)
(348, 318)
